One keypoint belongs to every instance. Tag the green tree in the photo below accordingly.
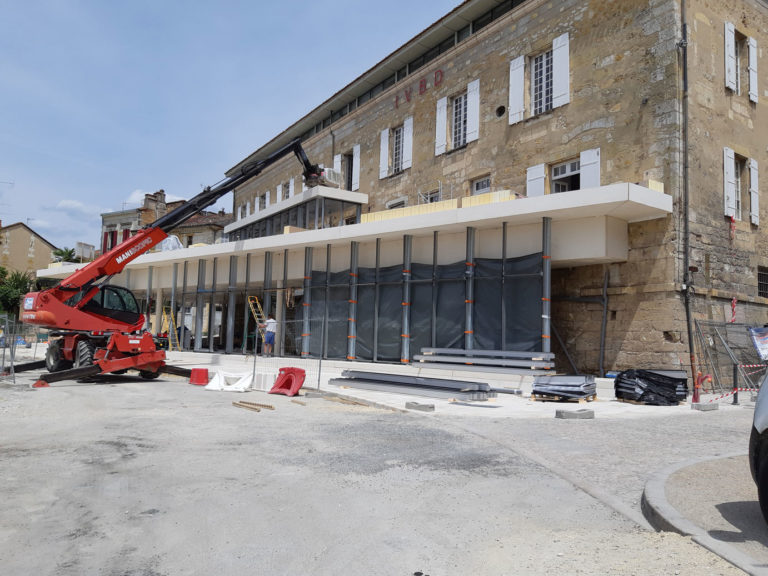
(65, 254)
(13, 287)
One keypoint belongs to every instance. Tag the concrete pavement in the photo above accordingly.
(697, 484)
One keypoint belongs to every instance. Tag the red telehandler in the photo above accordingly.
(97, 328)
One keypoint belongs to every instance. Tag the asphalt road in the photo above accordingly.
(146, 478)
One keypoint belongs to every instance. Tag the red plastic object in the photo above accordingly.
(289, 382)
(199, 377)
(40, 384)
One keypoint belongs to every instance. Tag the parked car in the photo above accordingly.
(758, 447)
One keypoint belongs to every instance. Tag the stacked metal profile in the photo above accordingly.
(564, 387)
(415, 385)
(654, 387)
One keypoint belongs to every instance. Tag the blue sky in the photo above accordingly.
(104, 101)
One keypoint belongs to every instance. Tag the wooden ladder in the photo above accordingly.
(258, 313)
(173, 336)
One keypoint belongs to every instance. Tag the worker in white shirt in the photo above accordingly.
(270, 327)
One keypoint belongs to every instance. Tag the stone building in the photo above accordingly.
(579, 175)
(24, 250)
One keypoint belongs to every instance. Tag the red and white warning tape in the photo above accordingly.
(731, 393)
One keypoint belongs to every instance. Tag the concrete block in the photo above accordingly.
(708, 407)
(419, 406)
(582, 414)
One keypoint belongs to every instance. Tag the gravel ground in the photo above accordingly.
(126, 477)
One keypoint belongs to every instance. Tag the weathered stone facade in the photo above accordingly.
(24, 250)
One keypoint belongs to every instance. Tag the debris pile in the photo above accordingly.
(564, 388)
(651, 387)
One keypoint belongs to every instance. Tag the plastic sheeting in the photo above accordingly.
(439, 289)
(650, 387)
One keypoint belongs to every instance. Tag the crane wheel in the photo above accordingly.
(148, 375)
(84, 354)
(54, 361)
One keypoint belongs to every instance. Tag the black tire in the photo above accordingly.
(148, 375)
(84, 354)
(54, 361)
(762, 488)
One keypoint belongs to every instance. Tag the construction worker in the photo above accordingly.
(270, 327)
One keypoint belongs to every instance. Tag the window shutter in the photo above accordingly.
(356, 167)
(516, 90)
(561, 71)
(408, 142)
(473, 110)
(267, 198)
(290, 188)
(752, 69)
(105, 243)
(441, 134)
(730, 56)
(535, 180)
(754, 193)
(589, 166)
(337, 163)
(278, 193)
(384, 154)
(729, 182)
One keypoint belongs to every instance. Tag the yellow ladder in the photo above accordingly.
(258, 313)
(170, 323)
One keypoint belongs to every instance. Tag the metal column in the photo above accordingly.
(352, 318)
(267, 307)
(306, 330)
(246, 308)
(546, 342)
(503, 280)
(376, 302)
(149, 299)
(433, 339)
(212, 306)
(198, 335)
(327, 299)
(231, 293)
(173, 320)
(283, 308)
(183, 324)
(405, 336)
(469, 294)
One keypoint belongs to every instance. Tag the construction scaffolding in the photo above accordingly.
(729, 356)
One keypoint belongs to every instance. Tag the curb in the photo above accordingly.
(666, 518)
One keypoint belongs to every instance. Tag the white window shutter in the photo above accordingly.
(473, 110)
(441, 127)
(356, 167)
(279, 193)
(536, 177)
(729, 182)
(730, 56)
(384, 154)
(267, 198)
(589, 166)
(517, 90)
(290, 188)
(752, 69)
(337, 163)
(754, 193)
(408, 142)
(561, 71)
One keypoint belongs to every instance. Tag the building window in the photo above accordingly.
(397, 149)
(481, 185)
(741, 172)
(740, 62)
(347, 162)
(566, 176)
(262, 202)
(541, 84)
(762, 281)
(459, 121)
(432, 197)
(741, 188)
(401, 202)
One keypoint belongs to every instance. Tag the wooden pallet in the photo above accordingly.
(548, 398)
